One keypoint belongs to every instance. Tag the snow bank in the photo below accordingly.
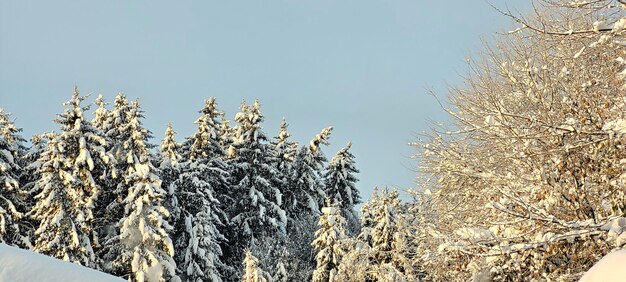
(19, 265)
(609, 269)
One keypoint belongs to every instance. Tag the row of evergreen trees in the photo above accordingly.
(383, 250)
(96, 193)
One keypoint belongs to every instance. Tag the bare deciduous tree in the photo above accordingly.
(528, 181)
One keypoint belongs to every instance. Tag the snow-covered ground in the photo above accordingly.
(611, 268)
(17, 265)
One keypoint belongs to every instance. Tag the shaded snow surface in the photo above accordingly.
(611, 268)
(17, 265)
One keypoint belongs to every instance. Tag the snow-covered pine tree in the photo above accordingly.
(206, 141)
(116, 128)
(102, 116)
(284, 155)
(275, 245)
(257, 211)
(308, 184)
(403, 265)
(168, 162)
(252, 272)
(300, 255)
(340, 180)
(198, 237)
(283, 152)
(103, 223)
(368, 211)
(382, 251)
(147, 248)
(305, 194)
(170, 149)
(28, 182)
(329, 242)
(203, 195)
(227, 135)
(69, 193)
(111, 209)
(57, 234)
(388, 253)
(201, 255)
(206, 146)
(30, 161)
(340, 186)
(116, 131)
(102, 121)
(12, 196)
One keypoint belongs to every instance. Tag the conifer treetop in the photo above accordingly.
(207, 140)
(321, 139)
(101, 114)
(8, 131)
(169, 147)
(10, 190)
(283, 134)
(285, 149)
(340, 179)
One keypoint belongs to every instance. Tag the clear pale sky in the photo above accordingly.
(361, 66)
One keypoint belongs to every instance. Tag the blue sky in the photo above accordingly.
(361, 66)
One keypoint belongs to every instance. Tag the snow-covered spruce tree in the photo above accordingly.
(282, 152)
(340, 180)
(168, 162)
(147, 249)
(202, 254)
(206, 146)
(388, 249)
(31, 165)
(102, 121)
(528, 182)
(103, 223)
(12, 195)
(328, 243)
(284, 155)
(29, 178)
(356, 263)
(111, 209)
(308, 184)
(305, 194)
(340, 186)
(277, 246)
(206, 141)
(57, 233)
(69, 193)
(367, 217)
(102, 116)
(300, 255)
(115, 124)
(381, 252)
(227, 136)
(203, 195)
(256, 212)
(197, 245)
(252, 272)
